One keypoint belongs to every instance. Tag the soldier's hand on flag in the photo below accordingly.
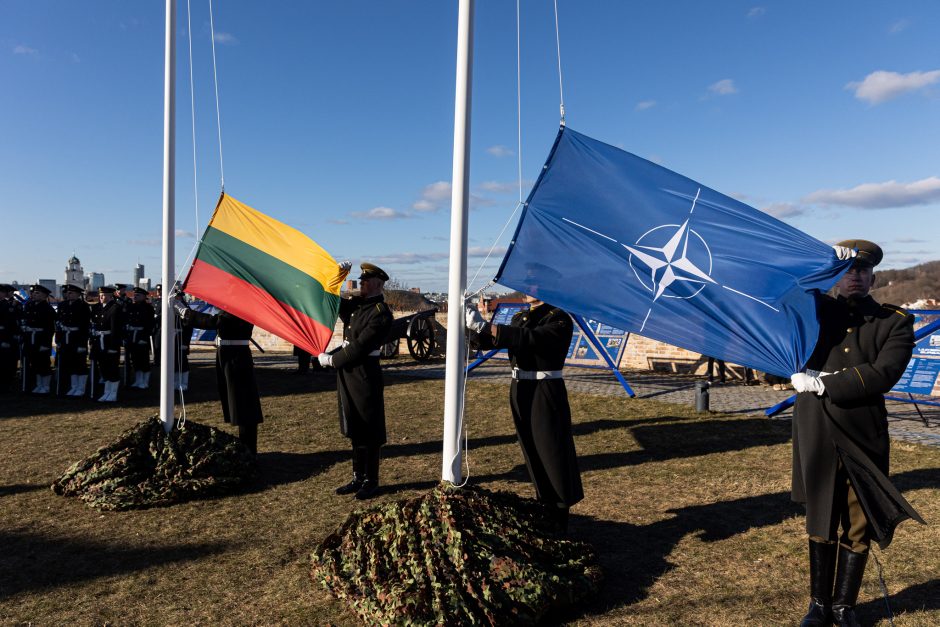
(180, 307)
(344, 266)
(803, 382)
(474, 319)
(325, 359)
(843, 253)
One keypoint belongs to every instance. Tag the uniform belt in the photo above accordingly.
(221, 342)
(33, 329)
(68, 332)
(102, 333)
(130, 328)
(532, 375)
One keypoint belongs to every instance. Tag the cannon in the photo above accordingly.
(418, 329)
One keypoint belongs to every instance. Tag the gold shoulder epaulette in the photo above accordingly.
(898, 310)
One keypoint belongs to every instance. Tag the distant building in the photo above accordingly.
(95, 280)
(74, 275)
(351, 284)
(138, 275)
(415, 290)
(50, 285)
(144, 283)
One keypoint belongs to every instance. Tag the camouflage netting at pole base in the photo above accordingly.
(455, 556)
(146, 467)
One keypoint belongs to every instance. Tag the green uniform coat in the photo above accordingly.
(866, 347)
(359, 385)
(539, 339)
(234, 367)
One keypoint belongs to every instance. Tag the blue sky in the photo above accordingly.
(337, 118)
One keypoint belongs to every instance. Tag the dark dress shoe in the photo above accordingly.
(352, 486)
(368, 489)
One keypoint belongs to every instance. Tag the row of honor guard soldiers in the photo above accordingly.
(79, 332)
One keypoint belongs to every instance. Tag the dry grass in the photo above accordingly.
(691, 514)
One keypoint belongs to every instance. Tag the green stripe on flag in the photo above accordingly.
(283, 281)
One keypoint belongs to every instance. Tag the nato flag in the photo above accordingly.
(619, 239)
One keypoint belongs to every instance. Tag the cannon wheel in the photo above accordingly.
(389, 349)
(421, 338)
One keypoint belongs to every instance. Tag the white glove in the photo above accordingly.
(325, 359)
(474, 319)
(803, 382)
(180, 307)
(344, 266)
(843, 253)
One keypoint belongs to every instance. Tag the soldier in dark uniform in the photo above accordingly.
(73, 323)
(840, 435)
(124, 296)
(361, 391)
(181, 342)
(303, 360)
(538, 342)
(106, 339)
(234, 369)
(38, 329)
(138, 329)
(11, 312)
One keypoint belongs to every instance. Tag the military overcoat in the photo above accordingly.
(359, 384)
(73, 324)
(864, 347)
(234, 367)
(106, 337)
(10, 313)
(538, 340)
(38, 329)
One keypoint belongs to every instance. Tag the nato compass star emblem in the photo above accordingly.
(670, 267)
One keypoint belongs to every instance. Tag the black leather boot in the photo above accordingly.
(822, 568)
(370, 486)
(248, 434)
(359, 475)
(848, 582)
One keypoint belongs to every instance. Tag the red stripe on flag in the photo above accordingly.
(253, 304)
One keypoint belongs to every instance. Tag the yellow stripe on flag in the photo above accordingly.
(278, 240)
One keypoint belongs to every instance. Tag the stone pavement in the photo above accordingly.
(904, 421)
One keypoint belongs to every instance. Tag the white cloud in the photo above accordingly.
(885, 195)
(723, 87)
(643, 105)
(21, 49)
(225, 38)
(898, 25)
(784, 209)
(434, 197)
(184, 233)
(500, 151)
(380, 213)
(415, 258)
(756, 12)
(482, 251)
(882, 86)
(502, 188)
(409, 258)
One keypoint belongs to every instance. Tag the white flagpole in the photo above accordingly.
(167, 320)
(457, 280)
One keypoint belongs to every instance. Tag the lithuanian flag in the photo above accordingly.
(267, 273)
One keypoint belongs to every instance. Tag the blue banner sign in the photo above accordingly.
(922, 375)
